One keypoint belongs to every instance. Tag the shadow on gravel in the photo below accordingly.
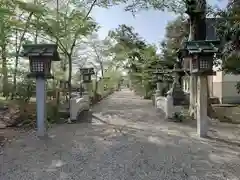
(134, 145)
(100, 151)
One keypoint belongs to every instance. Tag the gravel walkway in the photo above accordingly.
(127, 140)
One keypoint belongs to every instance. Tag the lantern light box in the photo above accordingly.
(159, 73)
(86, 74)
(202, 55)
(63, 84)
(40, 58)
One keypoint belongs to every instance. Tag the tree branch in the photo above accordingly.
(84, 19)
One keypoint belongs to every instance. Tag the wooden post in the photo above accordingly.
(202, 118)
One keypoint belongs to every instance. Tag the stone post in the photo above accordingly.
(169, 106)
(41, 106)
(202, 104)
(85, 93)
(158, 91)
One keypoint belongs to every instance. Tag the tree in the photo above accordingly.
(96, 55)
(5, 35)
(133, 53)
(176, 32)
(74, 24)
(229, 31)
(97, 52)
(196, 10)
(21, 22)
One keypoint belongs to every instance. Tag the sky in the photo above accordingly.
(149, 24)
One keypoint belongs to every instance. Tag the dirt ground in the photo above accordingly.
(127, 139)
(8, 134)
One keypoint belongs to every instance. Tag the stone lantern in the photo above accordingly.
(105, 82)
(159, 77)
(40, 58)
(176, 91)
(86, 74)
(63, 84)
(201, 53)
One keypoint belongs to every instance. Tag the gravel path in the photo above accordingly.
(127, 140)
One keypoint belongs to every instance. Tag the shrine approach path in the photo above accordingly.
(127, 140)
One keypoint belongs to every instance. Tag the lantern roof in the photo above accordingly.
(87, 71)
(159, 71)
(201, 47)
(41, 50)
(63, 81)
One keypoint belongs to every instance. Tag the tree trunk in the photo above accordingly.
(102, 70)
(4, 71)
(96, 87)
(69, 75)
(18, 48)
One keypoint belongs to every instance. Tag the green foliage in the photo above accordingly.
(229, 31)
(25, 89)
(176, 32)
(135, 55)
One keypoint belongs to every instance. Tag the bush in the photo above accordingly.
(25, 89)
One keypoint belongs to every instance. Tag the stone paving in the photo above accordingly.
(127, 140)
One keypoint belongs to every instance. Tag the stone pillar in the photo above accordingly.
(158, 91)
(85, 93)
(202, 104)
(41, 106)
(169, 107)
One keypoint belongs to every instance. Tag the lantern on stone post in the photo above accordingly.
(105, 82)
(86, 74)
(159, 73)
(168, 80)
(202, 55)
(40, 58)
(176, 91)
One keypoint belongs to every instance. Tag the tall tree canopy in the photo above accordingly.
(229, 30)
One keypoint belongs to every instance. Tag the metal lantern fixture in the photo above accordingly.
(40, 57)
(202, 54)
(86, 74)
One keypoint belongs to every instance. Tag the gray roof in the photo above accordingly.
(43, 50)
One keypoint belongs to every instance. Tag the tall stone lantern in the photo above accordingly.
(86, 76)
(159, 78)
(201, 54)
(40, 58)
